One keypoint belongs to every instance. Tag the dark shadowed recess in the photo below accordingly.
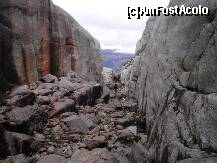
(8, 75)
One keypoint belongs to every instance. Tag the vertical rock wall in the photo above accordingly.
(37, 37)
(174, 81)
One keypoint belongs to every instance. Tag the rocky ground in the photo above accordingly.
(70, 120)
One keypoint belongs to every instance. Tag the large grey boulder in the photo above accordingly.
(78, 123)
(27, 119)
(174, 82)
(18, 159)
(83, 92)
(65, 105)
(96, 156)
(21, 96)
(97, 142)
(53, 159)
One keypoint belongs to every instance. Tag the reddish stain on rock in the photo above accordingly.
(37, 38)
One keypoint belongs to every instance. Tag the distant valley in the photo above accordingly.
(113, 59)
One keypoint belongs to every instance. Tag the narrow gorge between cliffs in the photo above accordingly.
(58, 104)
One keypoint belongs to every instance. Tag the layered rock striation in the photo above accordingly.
(173, 78)
(37, 38)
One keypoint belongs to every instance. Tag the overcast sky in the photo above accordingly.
(107, 20)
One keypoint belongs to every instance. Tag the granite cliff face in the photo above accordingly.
(175, 65)
(37, 38)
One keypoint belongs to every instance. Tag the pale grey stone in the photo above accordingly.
(174, 78)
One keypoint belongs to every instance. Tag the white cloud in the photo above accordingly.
(107, 20)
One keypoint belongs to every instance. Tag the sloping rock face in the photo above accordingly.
(37, 38)
(175, 65)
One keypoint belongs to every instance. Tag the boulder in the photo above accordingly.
(116, 104)
(48, 78)
(126, 138)
(52, 158)
(43, 100)
(48, 86)
(64, 151)
(129, 105)
(69, 86)
(87, 95)
(21, 97)
(65, 105)
(101, 155)
(51, 149)
(78, 124)
(43, 92)
(73, 138)
(96, 142)
(89, 119)
(119, 114)
(57, 130)
(39, 137)
(18, 159)
(27, 119)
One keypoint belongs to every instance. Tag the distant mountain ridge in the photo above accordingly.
(113, 59)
